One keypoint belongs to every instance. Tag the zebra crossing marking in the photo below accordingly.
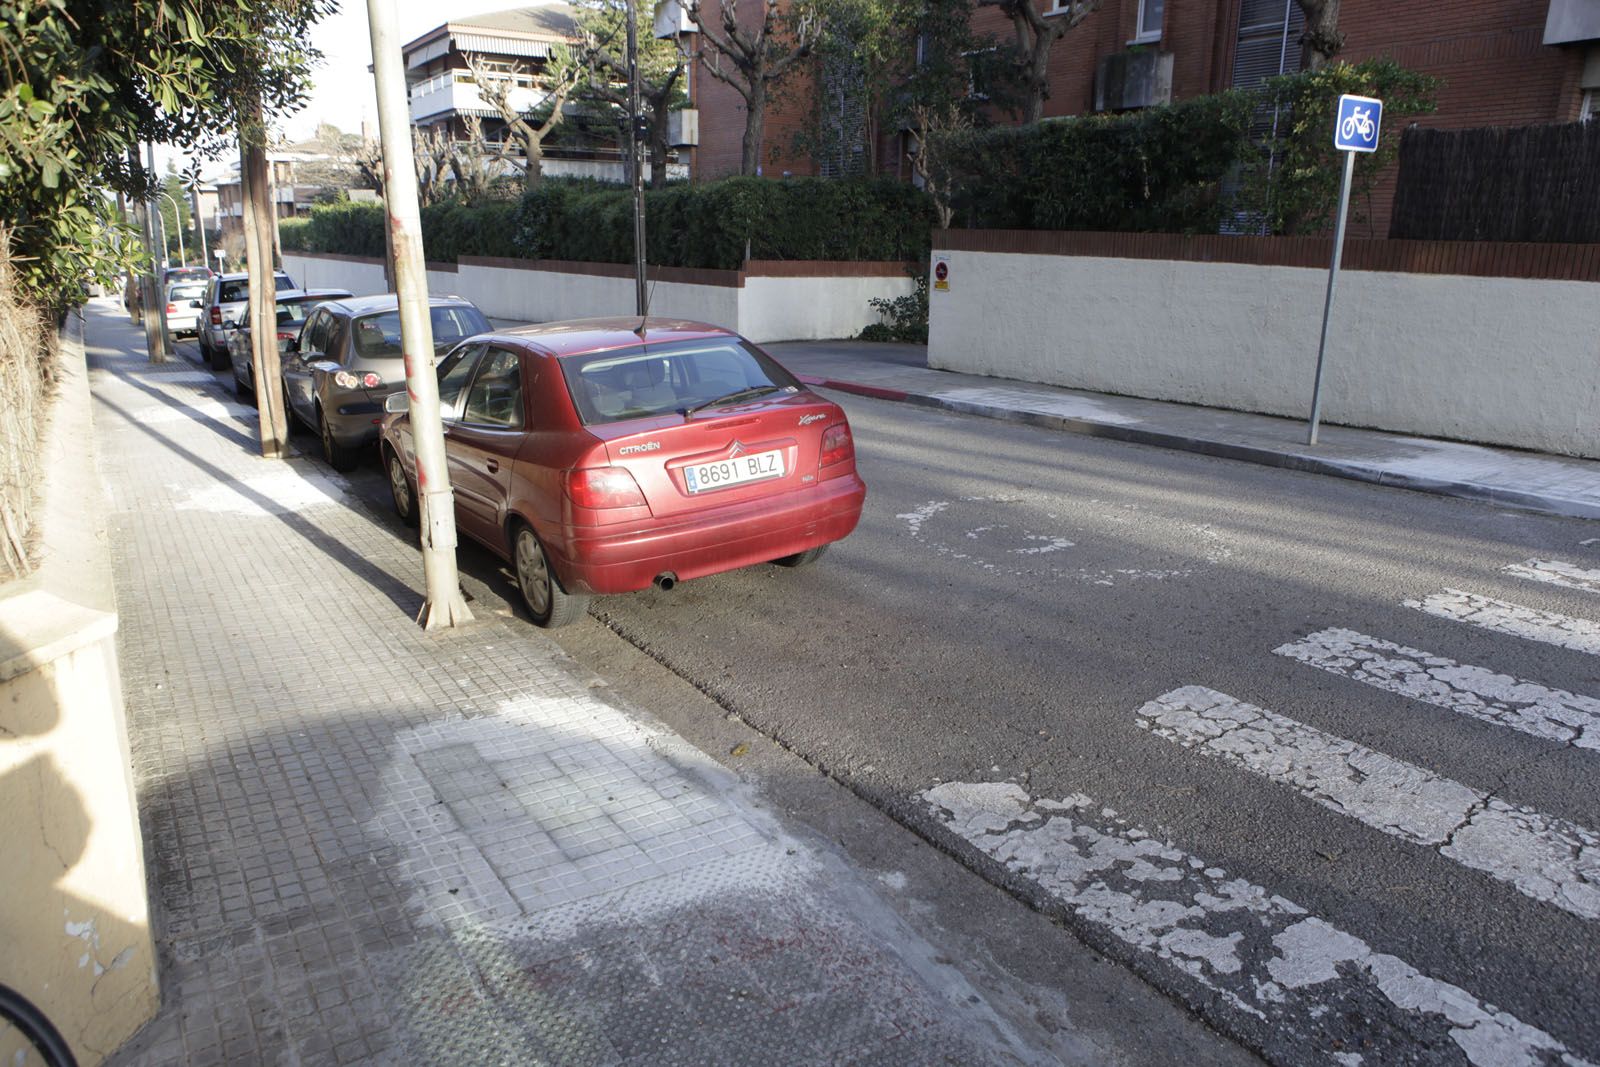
(1291, 976)
(1557, 572)
(1501, 616)
(1545, 857)
(1552, 714)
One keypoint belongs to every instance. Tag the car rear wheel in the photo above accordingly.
(801, 559)
(549, 604)
(244, 390)
(216, 357)
(339, 457)
(400, 491)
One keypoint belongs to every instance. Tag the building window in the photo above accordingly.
(1149, 28)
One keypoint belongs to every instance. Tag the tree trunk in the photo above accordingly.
(754, 122)
(658, 146)
(259, 217)
(1321, 40)
(533, 165)
(1038, 77)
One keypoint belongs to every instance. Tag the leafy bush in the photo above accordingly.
(352, 228)
(1291, 180)
(905, 318)
(1263, 157)
(293, 233)
(1154, 170)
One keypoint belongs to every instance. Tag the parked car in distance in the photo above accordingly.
(224, 305)
(183, 306)
(293, 308)
(184, 274)
(597, 459)
(348, 360)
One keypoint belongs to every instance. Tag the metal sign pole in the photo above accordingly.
(1333, 282)
(445, 606)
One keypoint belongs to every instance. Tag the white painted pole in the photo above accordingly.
(1333, 282)
(445, 606)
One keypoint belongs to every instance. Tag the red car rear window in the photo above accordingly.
(653, 379)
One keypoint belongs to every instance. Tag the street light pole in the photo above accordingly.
(177, 224)
(444, 606)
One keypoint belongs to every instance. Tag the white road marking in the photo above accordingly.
(1557, 572)
(1501, 616)
(1285, 970)
(1546, 858)
(1553, 714)
(1590, 541)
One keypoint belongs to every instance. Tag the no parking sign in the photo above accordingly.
(941, 274)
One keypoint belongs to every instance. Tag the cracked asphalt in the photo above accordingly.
(1014, 598)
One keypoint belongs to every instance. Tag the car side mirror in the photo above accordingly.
(194, 303)
(397, 403)
(229, 324)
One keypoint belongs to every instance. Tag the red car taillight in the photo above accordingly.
(286, 336)
(216, 316)
(837, 445)
(172, 309)
(603, 487)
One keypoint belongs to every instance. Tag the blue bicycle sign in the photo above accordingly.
(1356, 128)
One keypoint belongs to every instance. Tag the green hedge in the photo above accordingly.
(702, 225)
(1153, 170)
(1260, 160)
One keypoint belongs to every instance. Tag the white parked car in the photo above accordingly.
(184, 299)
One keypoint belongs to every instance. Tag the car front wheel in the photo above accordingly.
(339, 457)
(549, 604)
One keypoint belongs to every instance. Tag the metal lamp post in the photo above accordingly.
(177, 224)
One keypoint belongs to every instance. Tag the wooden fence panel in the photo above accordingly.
(1521, 183)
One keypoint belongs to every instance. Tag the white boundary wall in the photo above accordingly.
(760, 306)
(1505, 361)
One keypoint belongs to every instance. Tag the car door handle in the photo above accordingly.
(494, 466)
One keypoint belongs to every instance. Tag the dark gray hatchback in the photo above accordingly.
(347, 361)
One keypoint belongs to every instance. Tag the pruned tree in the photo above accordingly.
(529, 126)
(604, 78)
(754, 62)
(1035, 34)
(475, 163)
(433, 149)
(1321, 39)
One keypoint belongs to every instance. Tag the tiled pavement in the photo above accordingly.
(1556, 484)
(372, 845)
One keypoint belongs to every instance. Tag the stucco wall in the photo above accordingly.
(827, 301)
(74, 914)
(809, 309)
(1495, 360)
(360, 276)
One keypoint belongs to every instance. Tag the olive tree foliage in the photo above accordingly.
(755, 61)
(82, 82)
(603, 78)
(1035, 34)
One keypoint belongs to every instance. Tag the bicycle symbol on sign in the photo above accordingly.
(1357, 124)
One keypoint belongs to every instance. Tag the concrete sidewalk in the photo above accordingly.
(1506, 477)
(371, 845)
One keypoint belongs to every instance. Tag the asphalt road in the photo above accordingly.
(1101, 676)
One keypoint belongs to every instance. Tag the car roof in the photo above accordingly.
(296, 296)
(238, 275)
(576, 337)
(360, 305)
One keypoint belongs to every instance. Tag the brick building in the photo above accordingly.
(1503, 63)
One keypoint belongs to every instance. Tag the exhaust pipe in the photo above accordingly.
(665, 581)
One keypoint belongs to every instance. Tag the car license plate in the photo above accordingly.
(756, 467)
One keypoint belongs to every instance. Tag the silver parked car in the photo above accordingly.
(348, 360)
(294, 307)
(183, 306)
(224, 310)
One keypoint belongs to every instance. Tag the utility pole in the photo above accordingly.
(635, 120)
(444, 606)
